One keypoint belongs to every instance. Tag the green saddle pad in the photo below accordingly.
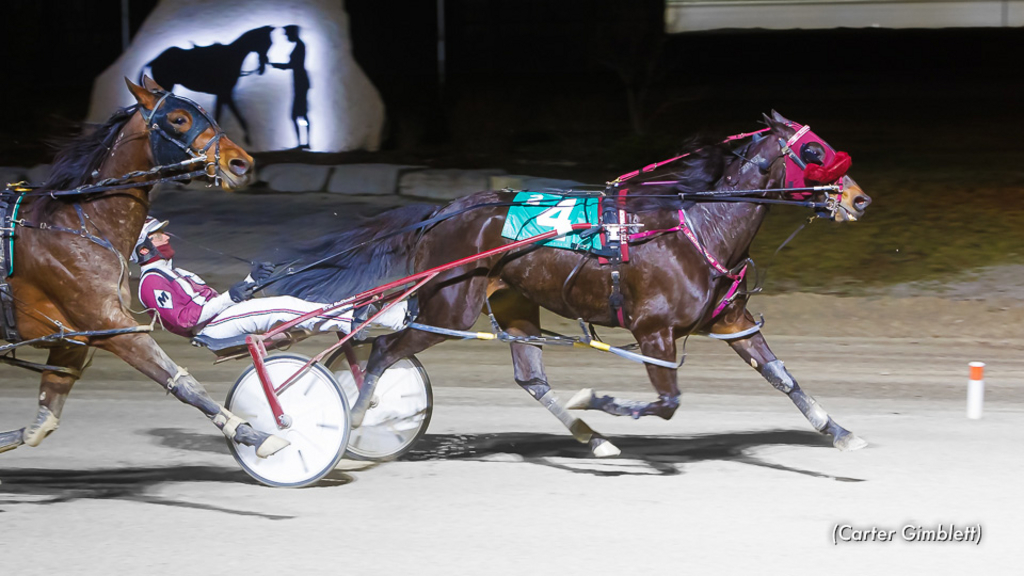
(537, 213)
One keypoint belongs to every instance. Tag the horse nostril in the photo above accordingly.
(861, 202)
(238, 166)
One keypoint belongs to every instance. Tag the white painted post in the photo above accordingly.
(976, 390)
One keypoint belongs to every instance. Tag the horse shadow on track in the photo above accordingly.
(42, 486)
(641, 455)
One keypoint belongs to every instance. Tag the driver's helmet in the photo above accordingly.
(151, 226)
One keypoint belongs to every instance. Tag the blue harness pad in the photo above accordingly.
(537, 213)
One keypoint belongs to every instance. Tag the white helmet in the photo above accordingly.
(151, 226)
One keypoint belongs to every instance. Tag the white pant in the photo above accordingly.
(259, 315)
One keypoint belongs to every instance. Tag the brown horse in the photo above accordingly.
(73, 238)
(671, 286)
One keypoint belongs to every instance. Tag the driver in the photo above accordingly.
(188, 307)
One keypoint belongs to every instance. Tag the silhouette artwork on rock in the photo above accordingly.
(215, 69)
(300, 82)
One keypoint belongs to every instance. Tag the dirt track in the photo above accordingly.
(736, 481)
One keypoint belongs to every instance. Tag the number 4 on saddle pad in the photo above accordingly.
(536, 213)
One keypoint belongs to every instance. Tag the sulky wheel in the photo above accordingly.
(399, 412)
(319, 422)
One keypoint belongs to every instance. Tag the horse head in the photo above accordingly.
(180, 130)
(790, 156)
(257, 40)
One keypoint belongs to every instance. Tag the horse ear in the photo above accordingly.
(774, 124)
(780, 118)
(144, 97)
(151, 85)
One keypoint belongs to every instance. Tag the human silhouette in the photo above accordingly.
(300, 83)
(213, 69)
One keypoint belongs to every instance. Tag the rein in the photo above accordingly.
(182, 157)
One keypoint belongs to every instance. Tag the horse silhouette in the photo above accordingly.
(213, 69)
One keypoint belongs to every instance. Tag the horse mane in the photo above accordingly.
(699, 171)
(78, 156)
(76, 159)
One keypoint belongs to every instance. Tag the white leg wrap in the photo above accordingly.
(581, 400)
(227, 422)
(45, 423)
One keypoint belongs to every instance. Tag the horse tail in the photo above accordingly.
(338, 265)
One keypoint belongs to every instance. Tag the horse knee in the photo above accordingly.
(776, 375)
(46, 423)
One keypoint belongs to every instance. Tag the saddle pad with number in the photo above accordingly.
(537, 212)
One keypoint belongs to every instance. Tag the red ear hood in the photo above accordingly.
(831, 172)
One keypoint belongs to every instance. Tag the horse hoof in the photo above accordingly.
(849, 441)
(602, 448)
(45, 424)
(272, 445)
(581, 400)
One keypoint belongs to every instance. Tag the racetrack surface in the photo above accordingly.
(737, 480)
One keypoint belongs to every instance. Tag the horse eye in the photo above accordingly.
(180, 120)
(812, 153)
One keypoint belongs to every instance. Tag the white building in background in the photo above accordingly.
(343, 110)
(696, 15)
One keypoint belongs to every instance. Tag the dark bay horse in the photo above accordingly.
(213, 69)
(671, 286)
(71, 242)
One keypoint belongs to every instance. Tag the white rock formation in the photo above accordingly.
(345, 111)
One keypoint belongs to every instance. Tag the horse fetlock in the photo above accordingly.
(581, 431)
(11, 440)
(536, 387)
(265, 444)
(776, 375)
(228, 423)
(811, 410)
(44, 425)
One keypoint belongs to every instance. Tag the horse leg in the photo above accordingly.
(141, 352)
(755, 352)
(521, 318)
(67, 365)
(658, 344)
(387, 350)
(54, 389)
